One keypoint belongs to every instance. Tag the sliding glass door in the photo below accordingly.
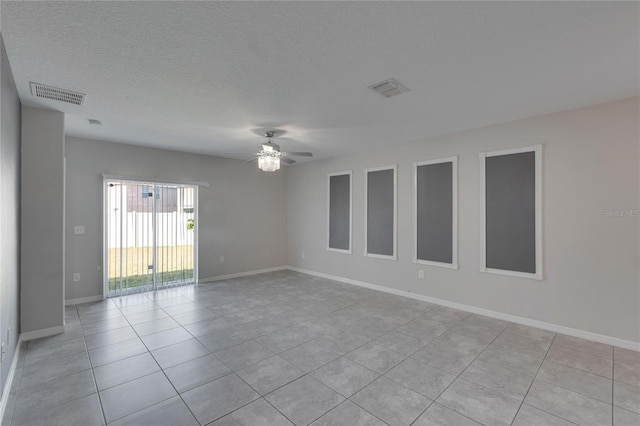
(150, 237)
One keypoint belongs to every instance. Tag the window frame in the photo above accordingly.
(393, 167)
(538, 275)
(454, 212)
(329, 176)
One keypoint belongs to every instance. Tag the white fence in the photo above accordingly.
(136, 229)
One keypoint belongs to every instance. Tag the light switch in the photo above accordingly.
(78, 230)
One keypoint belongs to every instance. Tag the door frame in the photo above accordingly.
(105, 227)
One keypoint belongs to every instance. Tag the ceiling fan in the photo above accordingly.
(269, 155)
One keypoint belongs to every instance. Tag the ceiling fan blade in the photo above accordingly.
(250, 161)
(238, 153)
(287, 160)
(300, 154)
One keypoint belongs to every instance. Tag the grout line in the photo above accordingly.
(534, 379)
(459, 374)
(260, 396)
(367, 411)
(160, 367)
(168, 294)
(276, 408)
(559, 385)
(93, 374)
(581, 371)
(231, 371)
(585, 351)
(305, 374)
(86, 348)
(429, 406)
(406, 357)
(613, 385)
(95, 383)
(127, 381)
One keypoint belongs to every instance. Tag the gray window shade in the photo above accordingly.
(434, 215)
(340, 211)
(380, 212)
(511, 212)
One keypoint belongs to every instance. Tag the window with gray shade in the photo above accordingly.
(381, 212)
(512, 212)
(435, 204)
(339, 208)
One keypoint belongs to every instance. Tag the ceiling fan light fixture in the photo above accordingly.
(268, 163)
(269, 156)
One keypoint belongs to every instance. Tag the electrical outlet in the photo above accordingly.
(78, 230)
(221, 259)
(421, 273)
(76, 277)
(302, 255)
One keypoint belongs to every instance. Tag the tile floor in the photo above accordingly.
(286, 348)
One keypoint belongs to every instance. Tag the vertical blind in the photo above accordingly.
(150, 235)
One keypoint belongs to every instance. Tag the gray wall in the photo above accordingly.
(9, 215)
(242, 214)
(42, 219)
(591, 257)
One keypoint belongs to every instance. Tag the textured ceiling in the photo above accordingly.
(205, 77)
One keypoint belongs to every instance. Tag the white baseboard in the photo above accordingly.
(242, 274)
(201, 280)
(7, 384)
(601, 338)
(45, 332)
(81, 300)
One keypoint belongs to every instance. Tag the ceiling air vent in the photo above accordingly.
(388, 88)
(41, 91)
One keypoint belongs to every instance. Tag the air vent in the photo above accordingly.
(388, 88)
(41, 91)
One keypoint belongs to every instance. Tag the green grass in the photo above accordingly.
(142, 280)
